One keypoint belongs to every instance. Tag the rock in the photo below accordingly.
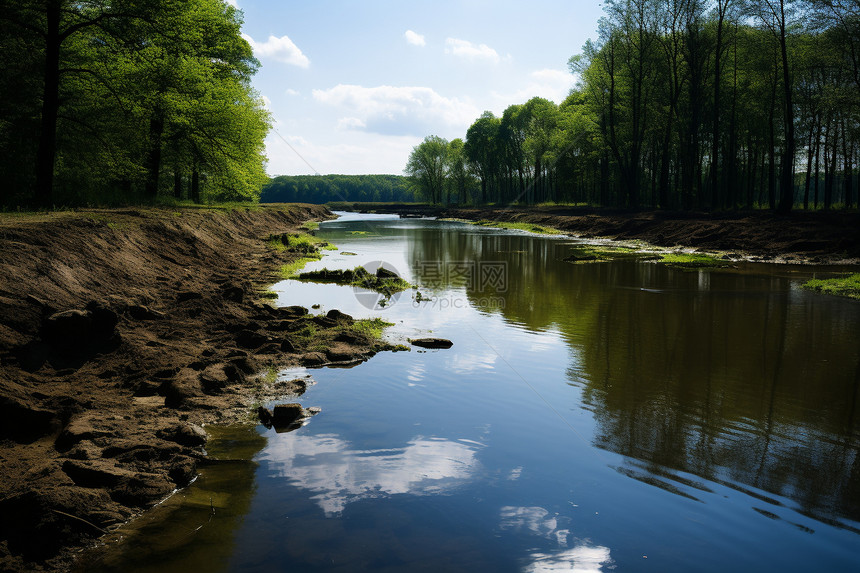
(284, 415)
(186, 385)
(342, 355)
(313, 359)
(182, 470)
(75, 330)
(324, 321)
(432, 342)
(216, 377)
(70, 328)
(265, 416)
(141, 312)
(251, 339)
(80, 428)
(287, 345)
(104, 321)
(245, 364)
(339, 316)
(190, 435)
(269, 348)
(351, 338)
(292, 311)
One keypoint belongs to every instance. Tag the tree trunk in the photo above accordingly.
(786, 199)
(177, 184)
(195, 185)
(47, 150)
(153, 160)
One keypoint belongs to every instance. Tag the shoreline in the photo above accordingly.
(821, 238)
(122, 332)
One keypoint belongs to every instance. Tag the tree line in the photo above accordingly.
(111, 101)
(680, 104)
(327, 188)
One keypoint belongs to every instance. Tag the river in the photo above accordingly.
(619, 415)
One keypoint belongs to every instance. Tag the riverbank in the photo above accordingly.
(799, 237)
(122, 332)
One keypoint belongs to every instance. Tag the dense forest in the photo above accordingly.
(325, 188)
(109, 101)
(680, 104)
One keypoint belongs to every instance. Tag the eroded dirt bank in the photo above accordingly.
(121, 332)
(817, 237)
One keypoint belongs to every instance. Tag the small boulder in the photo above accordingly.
(284, 415)
(432, 342)
(339, 316)
(190, 435)
(251, 339)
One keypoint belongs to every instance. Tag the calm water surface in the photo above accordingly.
(592, 417)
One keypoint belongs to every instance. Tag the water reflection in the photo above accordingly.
(337, 474)
(737, 377)
(582, 558)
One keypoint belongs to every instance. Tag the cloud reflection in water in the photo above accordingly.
(338, 474)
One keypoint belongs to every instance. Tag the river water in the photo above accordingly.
(618, 415)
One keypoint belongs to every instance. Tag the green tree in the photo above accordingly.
(426, 167)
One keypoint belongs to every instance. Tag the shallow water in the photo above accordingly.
(617, 415)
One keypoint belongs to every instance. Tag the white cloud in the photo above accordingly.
(468, 50)
(267, 103)
(280, 49)
(356, 152)
(550, 84)
(338, 474)
(350, 123)
(391, 110)
(233, 3)
(291, 92)
(414, 38)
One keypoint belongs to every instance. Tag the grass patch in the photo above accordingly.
(530, 227)
(311, 225)
(693, 261)
(372, 327)
(289, 270)
(848, 285)
(383, 281)
(594, 254)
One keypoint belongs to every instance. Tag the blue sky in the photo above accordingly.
(354, 86)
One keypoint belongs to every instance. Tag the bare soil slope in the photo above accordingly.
(122, 331)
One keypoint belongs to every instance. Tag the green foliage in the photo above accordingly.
(373, 327)
(427, 166)
(147, 100)
(319, 189)
(530, 227)
(693, 261)
(848, 285)
(382, 281)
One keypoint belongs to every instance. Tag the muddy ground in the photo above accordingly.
(799, 237)
(121, 333)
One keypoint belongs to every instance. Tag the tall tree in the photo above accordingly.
(426, 167)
